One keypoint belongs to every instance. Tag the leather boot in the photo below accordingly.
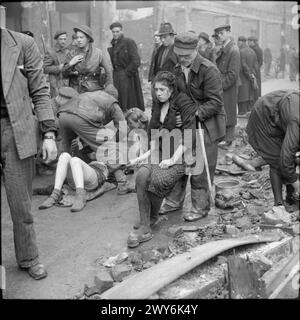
(79, 201)
(200, 205)
(124, 186)
(51, 200)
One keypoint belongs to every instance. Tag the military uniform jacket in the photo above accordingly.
(52, 60)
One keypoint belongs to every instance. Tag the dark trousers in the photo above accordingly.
(229, 136)
(149, 203)
(198, 182)
(245, 107)
(18, 176)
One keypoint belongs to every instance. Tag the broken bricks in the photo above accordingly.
(120, 271)
(103, 281)
(231, 229)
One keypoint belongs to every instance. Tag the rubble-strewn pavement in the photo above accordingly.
(85, 253)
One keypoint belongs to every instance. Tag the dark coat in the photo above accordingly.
(169, 63)
(229, 65)
(19, 52)
(152, 63)
(259, 55)
(248, 68)
(86, 76)
(52, 60)
(273, 131)
(208, 53)
(126, 60)
(179, 102)
(205, 88)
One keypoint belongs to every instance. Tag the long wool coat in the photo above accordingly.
(248, 67)
(229, 65)
(126, 60)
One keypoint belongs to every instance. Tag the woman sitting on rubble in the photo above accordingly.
(273, 132)
(156, 179)
(83, 173)
(83, 66)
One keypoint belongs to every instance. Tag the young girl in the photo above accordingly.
(83, 176)
(156, 179)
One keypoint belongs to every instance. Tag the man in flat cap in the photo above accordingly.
(126, 61)
(53, 63)
(205, 46)
(248, 87)
(200, 79)
(165, 59)
(85, 116)
(253, 44)
(229, 65)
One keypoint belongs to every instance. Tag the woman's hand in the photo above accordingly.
(165, 164)
(76, 60)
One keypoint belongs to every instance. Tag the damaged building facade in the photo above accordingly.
(271, 22)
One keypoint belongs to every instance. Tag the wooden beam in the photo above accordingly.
(149, 281)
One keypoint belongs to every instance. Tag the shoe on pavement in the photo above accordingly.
(79, 201)
(37, 272)
(50, 201)
(166, 208)
(124, 188)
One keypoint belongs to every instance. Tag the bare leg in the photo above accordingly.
(81, 172)
(276, 187)
(61, 170)
(60, 176)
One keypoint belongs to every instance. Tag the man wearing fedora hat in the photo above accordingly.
(165, 59)
(54, 61)
(84, 65)
(200, 79)
(204, 46)
(246, 91)
(228, 63)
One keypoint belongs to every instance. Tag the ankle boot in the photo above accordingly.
(79, 201)
(51, 200)
(200, 201)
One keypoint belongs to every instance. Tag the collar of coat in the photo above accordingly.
(114, 42)
(7, 38)
(229, 45)
(196, 64)
(58, 48)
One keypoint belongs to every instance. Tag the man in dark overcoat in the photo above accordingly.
(126, 60)
(165, 59)
(246, 91)
(228, 63)
(253, 44)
